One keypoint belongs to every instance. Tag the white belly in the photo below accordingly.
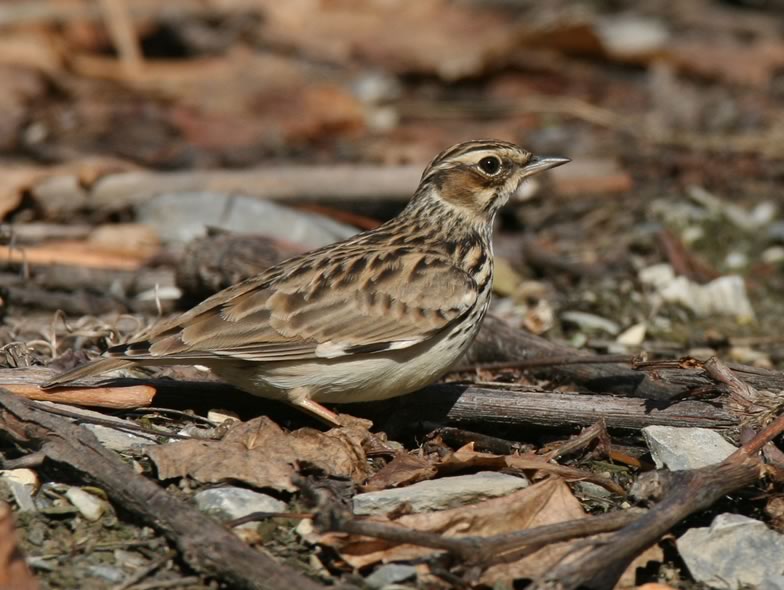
(359, 378)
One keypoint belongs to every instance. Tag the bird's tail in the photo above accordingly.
(95, 367)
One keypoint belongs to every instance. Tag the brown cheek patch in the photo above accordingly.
(467, 188)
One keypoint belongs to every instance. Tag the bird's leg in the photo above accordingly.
(301, 399)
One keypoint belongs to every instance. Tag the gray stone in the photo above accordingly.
(686, 448)
(438, 494)
(230, 503)
(180, 217)
(390, 574)
(734, 552)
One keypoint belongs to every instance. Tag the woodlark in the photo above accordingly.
(378, 315)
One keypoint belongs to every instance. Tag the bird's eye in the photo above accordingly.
(490, 165)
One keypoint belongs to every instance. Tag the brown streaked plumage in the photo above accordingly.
(381, 314)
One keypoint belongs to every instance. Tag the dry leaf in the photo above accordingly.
(403, 470)
(546, 502)
(262, 454)
(14, 573)
(559, 506)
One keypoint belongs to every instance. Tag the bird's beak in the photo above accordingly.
(541, 163)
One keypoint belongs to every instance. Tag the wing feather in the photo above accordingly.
(352, 304)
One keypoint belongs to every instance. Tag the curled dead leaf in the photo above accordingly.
(260, 453)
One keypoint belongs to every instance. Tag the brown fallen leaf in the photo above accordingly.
(546, 502)
(403, 470)
(262, 454)
(14, 573)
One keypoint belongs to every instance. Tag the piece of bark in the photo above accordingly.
(117, 398)
(203, 543)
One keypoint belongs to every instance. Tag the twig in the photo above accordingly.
(183, 582)
(497, 340)
(129, 427)
(457, 437)
(458, 404)
(596, 431)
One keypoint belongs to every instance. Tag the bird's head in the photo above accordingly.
(478, 177)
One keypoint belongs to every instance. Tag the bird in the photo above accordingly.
(381, 314)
